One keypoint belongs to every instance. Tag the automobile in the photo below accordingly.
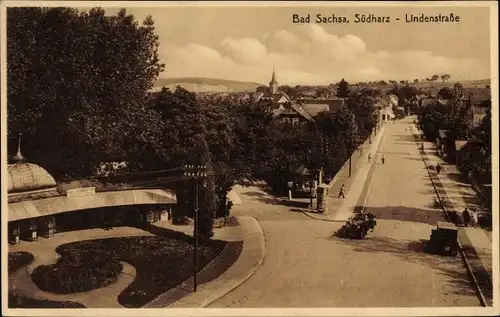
(444, 239)
(358, 227)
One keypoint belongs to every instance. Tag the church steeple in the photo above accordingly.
(273, 84)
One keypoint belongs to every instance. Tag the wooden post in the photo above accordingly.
(350, 159)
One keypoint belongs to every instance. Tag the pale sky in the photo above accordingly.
(245, 43)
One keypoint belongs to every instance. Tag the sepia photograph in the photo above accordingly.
(254, 158)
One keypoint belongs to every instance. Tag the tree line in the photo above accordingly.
(78, 91)
(453, 113)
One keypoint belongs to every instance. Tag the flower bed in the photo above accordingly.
(18, 260)
(20, 301)
(77, 271)
(161, 263)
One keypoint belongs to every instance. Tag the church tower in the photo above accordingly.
(273, 84)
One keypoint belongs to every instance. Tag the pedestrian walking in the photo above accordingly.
(475, 219)
(383, 159)
(369, 158)
(466, 217)
(342, 191)
(438, 168)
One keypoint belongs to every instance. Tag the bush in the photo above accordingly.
(18, 260)
(20, 301)
(77, 271)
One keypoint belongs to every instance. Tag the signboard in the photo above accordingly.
(80, 192)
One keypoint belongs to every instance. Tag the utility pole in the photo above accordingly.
(197, 173)
(350, 158)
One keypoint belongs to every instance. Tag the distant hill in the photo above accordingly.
(199, 84)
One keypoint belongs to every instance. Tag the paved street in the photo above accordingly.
(305, 266)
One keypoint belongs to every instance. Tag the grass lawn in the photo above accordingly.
(161, 262)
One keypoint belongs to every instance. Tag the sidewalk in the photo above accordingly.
(340, 209)
(455, 195)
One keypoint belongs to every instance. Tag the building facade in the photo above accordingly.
(296, 111)
(39, 206)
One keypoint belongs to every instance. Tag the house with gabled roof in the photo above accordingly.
(298, 111)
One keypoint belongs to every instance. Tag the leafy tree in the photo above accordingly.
(416, 81)
(323, 92)
(185, 142)
(77, 83)
(290, 91)
(362, 104)
(445, 77)
(434, 77)
(446, 93)
(451, 116)
(458, 88)
(339, 138)
(481, 150)
(343, 89)
(432, 119)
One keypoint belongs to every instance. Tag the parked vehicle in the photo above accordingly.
(444, 239)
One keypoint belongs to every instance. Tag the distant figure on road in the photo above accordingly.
(342, 191)
(369, 158)
(466, 217)
(438, 168)
(383, 159)
(475, 219)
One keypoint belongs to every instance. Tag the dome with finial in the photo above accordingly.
(23, 176)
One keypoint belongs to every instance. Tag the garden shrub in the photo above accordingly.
(77, 271)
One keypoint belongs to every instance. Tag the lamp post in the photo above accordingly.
(197, 173)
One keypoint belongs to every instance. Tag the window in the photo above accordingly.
(51, 223)
(150, 216)
(295, 121)
(286, 120)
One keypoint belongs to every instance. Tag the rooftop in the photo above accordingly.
(24, 177)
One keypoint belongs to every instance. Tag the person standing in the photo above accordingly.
(369, 158)
(383, 159)
(438, 168)
(342, 191)
(475, 217)
(466, 217)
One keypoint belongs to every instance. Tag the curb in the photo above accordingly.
(482, 298)
(250, 259)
